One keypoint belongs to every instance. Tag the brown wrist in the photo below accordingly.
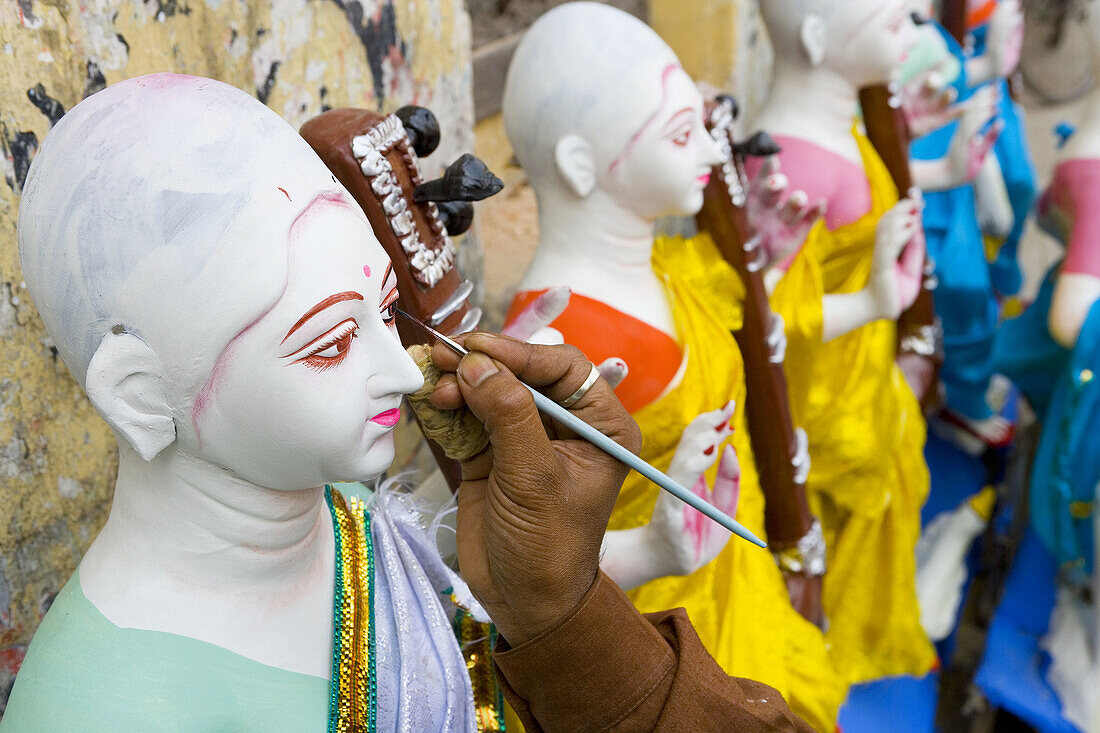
(535, 614)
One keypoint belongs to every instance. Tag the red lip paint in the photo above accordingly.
(388, 419)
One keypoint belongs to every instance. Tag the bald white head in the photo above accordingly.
(582, 68)
(203, 275)
(591, 97)
(163, 180)
(865, 42)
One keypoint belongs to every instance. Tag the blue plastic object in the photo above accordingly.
(1013, 673)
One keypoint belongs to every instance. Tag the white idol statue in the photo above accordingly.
(229, 311)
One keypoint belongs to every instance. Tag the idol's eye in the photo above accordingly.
(330, 349)
(683, 138)
(389, 307)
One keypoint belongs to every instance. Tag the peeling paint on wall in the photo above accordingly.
(57, 458)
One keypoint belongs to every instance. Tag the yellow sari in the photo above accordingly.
(868, 478)
(738, 603)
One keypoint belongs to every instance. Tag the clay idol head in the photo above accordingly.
(862, 42)
(214, 289)
(596, 104)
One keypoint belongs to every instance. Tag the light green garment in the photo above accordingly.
(184, 684)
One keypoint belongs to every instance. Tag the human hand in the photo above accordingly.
(780, 218)
(533, 508)
(898, 265)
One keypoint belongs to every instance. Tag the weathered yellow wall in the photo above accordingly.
(720, 42)
(57, 459)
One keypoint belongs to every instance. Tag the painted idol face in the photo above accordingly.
(872, 40)
(667, 161)
(309, 392)
(249, 295)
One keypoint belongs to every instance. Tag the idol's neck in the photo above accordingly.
(812, 103)
(181, 517)
(593, 234)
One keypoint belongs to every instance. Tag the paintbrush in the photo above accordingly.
(555, 411)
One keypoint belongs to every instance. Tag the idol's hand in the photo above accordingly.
(779, 217)
(533, 326)
(975, 136)
(532, 509)
(898, 265)
(680, 540)
(1005, 41)
(533, 323)
(928, 103)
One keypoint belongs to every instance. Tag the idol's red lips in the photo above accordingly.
(704, 179)
(389, 418)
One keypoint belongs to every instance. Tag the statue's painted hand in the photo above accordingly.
(975, 136)
(898, 266)
(928, 102)
(698, 447)
(533, 326)
(680, 539)
(781, 218)
(532, 508)
(533, 323)
(1005, 41)
(683, 537)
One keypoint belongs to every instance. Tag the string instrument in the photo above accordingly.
(953, 18)
(920, 348)
(376, 157)
(782, 459)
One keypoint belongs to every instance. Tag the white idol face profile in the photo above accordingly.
(310, 392)
(665, 166)
(596, 104)
(230, 303)
(877, 43)
(865, 42)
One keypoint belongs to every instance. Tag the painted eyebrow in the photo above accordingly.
(675, 121)
(862, 24)
(326, 303)
(386, 276)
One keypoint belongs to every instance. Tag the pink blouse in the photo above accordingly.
(1074, 200)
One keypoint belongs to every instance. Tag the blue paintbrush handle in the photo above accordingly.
(552, 409)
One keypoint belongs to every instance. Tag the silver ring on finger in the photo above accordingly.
(574, 398)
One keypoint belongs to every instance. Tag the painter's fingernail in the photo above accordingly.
(475, 368)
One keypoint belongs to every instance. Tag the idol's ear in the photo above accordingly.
(125, 383)
(573, 156)
(811, 36)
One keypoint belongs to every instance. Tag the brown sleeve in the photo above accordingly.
(608, 667)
